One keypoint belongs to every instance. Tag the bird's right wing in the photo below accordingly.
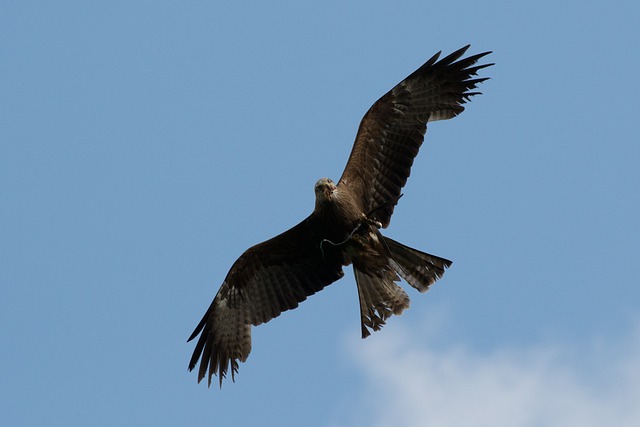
(269, 278)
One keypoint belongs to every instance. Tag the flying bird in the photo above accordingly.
(344, 227)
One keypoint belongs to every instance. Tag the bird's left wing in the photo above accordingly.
(269, 278)
(391, 132)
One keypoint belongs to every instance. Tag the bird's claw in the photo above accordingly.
(371, 221)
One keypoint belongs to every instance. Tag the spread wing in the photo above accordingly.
(393, 129)
(269, 278)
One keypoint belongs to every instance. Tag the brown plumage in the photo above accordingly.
(276, 275)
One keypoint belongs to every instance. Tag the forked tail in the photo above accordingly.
(419, 269)
(380, 296)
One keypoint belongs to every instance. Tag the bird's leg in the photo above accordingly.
(349, 237)
(364, 219)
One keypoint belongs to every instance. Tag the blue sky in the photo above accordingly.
(145, 145)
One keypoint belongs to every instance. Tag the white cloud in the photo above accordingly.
(407, 383)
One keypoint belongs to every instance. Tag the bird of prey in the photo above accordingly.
(344, 227)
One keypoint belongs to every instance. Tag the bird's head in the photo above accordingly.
(324, 189)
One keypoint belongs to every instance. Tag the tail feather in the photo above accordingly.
(419, 269)
(380, 296)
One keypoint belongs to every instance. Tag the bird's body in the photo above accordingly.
(344, 227)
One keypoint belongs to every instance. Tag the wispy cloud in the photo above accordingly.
(407, 383)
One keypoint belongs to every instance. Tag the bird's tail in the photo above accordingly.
(419, 269)
(380, 296)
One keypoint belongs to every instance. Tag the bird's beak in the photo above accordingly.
(329, 190)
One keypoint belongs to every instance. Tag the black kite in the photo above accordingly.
(344, 228)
